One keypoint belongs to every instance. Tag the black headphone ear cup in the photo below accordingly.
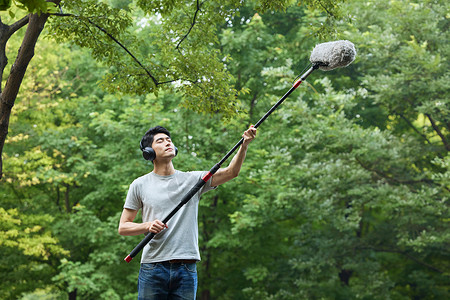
(149, 153)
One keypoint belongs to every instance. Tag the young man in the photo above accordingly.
(168, 264)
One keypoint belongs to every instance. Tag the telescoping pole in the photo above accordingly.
(201, 182)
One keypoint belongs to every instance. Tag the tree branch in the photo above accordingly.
(17, 25)
(174, 80)
(6, 31)
(167, 81)
(155, 81)
(438, 131)
(413, 127)
(408, 256)
(126, 50)
(323, 6)
(192, 24)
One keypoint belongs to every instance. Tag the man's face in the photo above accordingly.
(163, 146)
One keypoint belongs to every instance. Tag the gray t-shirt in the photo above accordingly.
(157, 196)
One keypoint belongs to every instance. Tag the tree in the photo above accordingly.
(30, 252)
(183, 56)
(344, 195)
(36, 22)
(352, 199)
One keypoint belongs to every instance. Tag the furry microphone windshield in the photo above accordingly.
(332, 55)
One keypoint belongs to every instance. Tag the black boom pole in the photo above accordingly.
(201, 182)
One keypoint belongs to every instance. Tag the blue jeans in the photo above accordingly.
(158, 281)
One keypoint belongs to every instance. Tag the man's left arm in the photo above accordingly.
(233, 169)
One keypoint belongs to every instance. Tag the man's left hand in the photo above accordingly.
(249, 135)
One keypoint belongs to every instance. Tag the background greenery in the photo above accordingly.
(343, 195)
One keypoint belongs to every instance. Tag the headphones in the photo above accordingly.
(149, 154)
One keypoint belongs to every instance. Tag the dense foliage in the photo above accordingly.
(344, 193)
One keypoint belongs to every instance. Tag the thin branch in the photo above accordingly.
(167, 81)
(408, 256)
(174, 80)
(323, 6)
(89, 29)
(413, 127)
(116, 41)
(439, 132)
(192, 24)
(124, 48)
(155, 81)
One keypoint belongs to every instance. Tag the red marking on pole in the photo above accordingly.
(207, 177)
(128, 259)
(297, 83)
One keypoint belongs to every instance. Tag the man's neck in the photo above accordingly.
(163, 168)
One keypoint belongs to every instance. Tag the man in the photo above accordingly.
(168, 264)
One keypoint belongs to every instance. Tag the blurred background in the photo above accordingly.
(343, 195)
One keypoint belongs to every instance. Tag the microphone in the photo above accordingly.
(332, 55)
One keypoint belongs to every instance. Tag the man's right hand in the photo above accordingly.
(156, 226)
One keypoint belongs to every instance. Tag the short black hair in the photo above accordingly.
(147, 139)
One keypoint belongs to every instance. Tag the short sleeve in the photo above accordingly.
(134, 199)
(207, 187)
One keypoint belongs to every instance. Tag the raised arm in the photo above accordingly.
(226, 174)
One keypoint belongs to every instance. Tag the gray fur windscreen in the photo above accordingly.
(333, 55)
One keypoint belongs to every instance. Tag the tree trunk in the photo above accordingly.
(345, 275)
(66, 199)
(206, 295)
(18, 69)
(73, 295)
